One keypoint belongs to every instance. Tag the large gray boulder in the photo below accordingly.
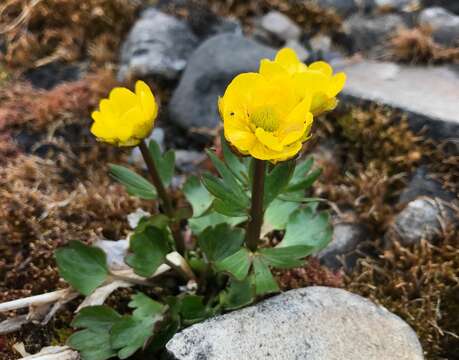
(315, 323)
(210, 69)
(444, 25)
(158, 45)
(451, 5)
(429, 95)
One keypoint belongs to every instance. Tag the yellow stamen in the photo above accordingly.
(266, 118)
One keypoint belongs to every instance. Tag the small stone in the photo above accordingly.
(314, 323)
(421, 219)
(156, 135)
(320, 43)
(302, 53)
(422, 184)
(157, 45)
(341, 7)
(280, 25)
(188, 161)
(369, 33)
(406, 88)
(444, 25)
(342, 250)
(210, 69)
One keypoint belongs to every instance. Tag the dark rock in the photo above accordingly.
(444, 25)
(52, 74)
(341, 7)
(370, 33)
(158, 45)
(406, 88)
(210, 69)
(422, 184)
(422, 218)
(450, 5)
(343, 249)
(314, 323)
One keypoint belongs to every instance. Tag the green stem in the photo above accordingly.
(162, 193)
(256, 211)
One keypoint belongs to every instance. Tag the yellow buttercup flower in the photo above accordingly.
(317, 79)
(125, 118)
(265, 116)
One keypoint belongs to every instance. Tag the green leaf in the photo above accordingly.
(234, 162)
(222, 192)
(277, 214)
(145, 306)
(212, 218)
(197, 195)
(308, 228)
(237, 264)
(82, 266)
(149, 249)
(193, 309)
(135, 184)
(131, 333)
(93, 344)
(100, 316)
(276, 181)
(301, 170)
(165, 163)
(229, 179)
(220, 241)
(285, 257)
(238, 294)
(228, 209)
(307, 182)
(264, 280)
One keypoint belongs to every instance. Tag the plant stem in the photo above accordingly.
(166, 202)
(256, 211)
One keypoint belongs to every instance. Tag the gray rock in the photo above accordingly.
(422, 184)
(188, 160)
(343, 249)
(341, 7)
(451, 5)
(280, 25)
(421, 219)
(314, 323)
(444, 25)
(211, 67)
(407, 88)
(157, 45)
(369, 33)
(302, 53)
(320, 43)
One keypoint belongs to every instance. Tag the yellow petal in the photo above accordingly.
(122, 99)
(323, 67)
(261, 152)
(147, 99)
(242, 140)
(268, 139)
(288, 59)
(271, 69)
(336, 84)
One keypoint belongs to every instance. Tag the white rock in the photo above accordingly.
(407, 88)
(315, 323)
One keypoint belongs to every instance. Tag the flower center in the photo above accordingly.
(266, 118)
